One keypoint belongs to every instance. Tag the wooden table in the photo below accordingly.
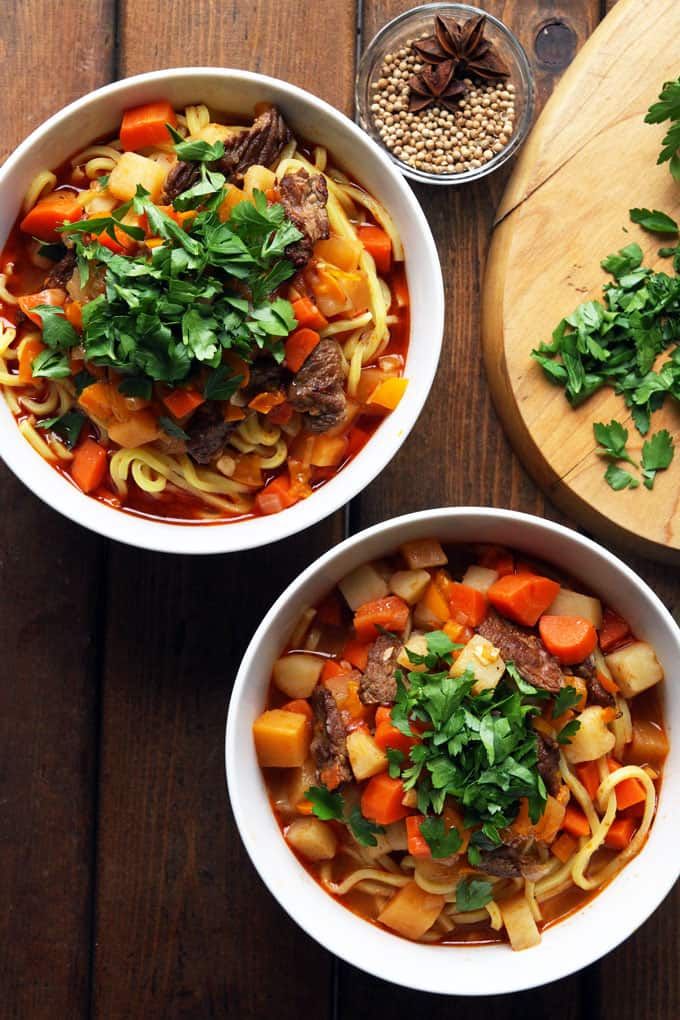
(124, 889)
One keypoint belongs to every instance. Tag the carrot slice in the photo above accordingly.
(307, 314)
(570, 639)
(468, 606)
(299, 346)
(589, 774)
(614, 630)
(620, 833)
(391, 613)
(275, 497)
(377, 243)
(30, 349)
(183, 401)
(575, 822)
(629, 792)
(356, 652)
(146, 125)
(417, 844)
(49, 213)
(89, 465)
(563, 847)
(386, 735)
(54, 296)
(382, 798)
(523, 597)
(300, 706)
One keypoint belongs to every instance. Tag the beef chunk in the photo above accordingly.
(317, 390)
(520, 857)
(261, 144)
(549, 763)
(208, 433)
(62, 271)
(182, 176)
(523, 648)
(304, 198)
(265, 377)
(378, 685)
(597, 695)
(329, 745)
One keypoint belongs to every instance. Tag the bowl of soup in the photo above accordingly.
(450, 751)
(221, 310)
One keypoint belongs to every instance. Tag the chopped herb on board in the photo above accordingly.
(654, 221)
(668, 109)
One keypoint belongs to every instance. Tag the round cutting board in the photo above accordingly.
(589, 159)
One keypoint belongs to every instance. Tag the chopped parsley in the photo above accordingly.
(654, 221)
(668, 109)
(473, 894)
(330, 806)
(657, 453)
(442, 842)
(568, 731)
(567, 697)
(66, 426)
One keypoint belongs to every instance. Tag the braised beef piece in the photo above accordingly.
(261, 145)
(597, 695)
(525, 650)
(62, 271)
(519, 858)
(181, 177)
(304, 199)
(378, 685)
(265, 377)
(329, 744)
(317, 390)
(207, 431)
(549, 763)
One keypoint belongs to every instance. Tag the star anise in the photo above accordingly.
(435, 84)
(465, 46)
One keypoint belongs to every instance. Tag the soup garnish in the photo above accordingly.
(463, 760)
(201, 320)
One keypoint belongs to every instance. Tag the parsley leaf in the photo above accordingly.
(67, 426)
(654, 221)
(395, 759)
(199, 151)
(567, 698)
(363, 830)
(135, 386)
(221, 384)
(51, 365)
(441, 843)
(57, 331)
(657, 454)
(623, 262)
(568, 731)
(619, 479)
(472, 894)
(171, 428)
(668, 108)
(612, 439)
(326, 805)
(522, 686)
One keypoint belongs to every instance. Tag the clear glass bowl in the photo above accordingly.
(412, 25)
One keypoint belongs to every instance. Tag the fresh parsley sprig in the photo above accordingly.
(668, 109)
(330, 806)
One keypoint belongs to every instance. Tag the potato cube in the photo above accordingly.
(297, 674)
(412, 911)
(519, 923)
(424, 552)
(257, 178)
(572, 603)
(312, 838)
(635, 668)
(133, 169)
(363, 585)
(409, 585)
(281, 738)
(480, 578)
(365, 757)
(417, 644)
(592, 739)
(485, 661)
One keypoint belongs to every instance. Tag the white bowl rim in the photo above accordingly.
(521, 972)
(236, 536)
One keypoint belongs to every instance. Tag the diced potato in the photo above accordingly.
(409, 585)
(649, 743)
(282, 738)
(410, 798)
(133, 169)
(257, 177)
(592, 739)
(365, 757)
(298, 781)
(412, 911)
(312, 838)
(212, 133)
(519, 923)
(363, 585)
(424, 618)
(635, 668)
(417, 643)
(429, 870)
(485, 661)
(396, 835)
(480, 578)
(297, 674)
(572, 603)
(424, 552)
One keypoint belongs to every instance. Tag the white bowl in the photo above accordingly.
(97, 115)
(575, 942)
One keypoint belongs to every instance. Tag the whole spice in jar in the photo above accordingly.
(442, 103)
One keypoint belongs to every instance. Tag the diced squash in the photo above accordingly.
(519, 922)
(416, 643)
(232, 198)
(592, 739)
(388, 393)
(572, 603)
(363, 585)
(297, 674)
(485, 661)
(343, 252)
(424, 552)
(365, 757)
(635, 667)
(480, 578)
(312, 838)
(409, 584)
(282, 738)
(425, 619)
(140, 428)
(649, 744)
(257, 178)
(436, 603)
(412, 911)
(132, 170)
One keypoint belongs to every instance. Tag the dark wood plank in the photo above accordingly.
(184, 925)
(49, 573)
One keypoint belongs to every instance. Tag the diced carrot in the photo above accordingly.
(30, 349)
(468, 606)
(273, 195)
(307, 314)
(139, 428)
(356, 652)
(383, 715)
(495, 557)
(607, 682)
(629, 791)
(358, 438)
(304, 807)
(183, 401)
(388, 393)
(436, 602)
(522, 597)
(54, 296)
(390, 612)
(417, 844)
(458, 633)
(50, 212)
(570, 639)
(331, 669)
(233, 413)
(620, 833)
(377, 243)
(614, 630)
(123, 242)
(95, 400)
(589, 774)
(266, 402)
(276, 496)
(300, 706)
(180, 216)
(563, 847)
(575, 822)
(299, 346)
(73, 311)
(146, 125)
(89, 465)
(386, 735)
(281, 414)
(381, 800)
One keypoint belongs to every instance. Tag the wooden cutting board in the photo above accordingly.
(589, 159)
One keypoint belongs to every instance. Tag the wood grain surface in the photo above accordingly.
(126, 892)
